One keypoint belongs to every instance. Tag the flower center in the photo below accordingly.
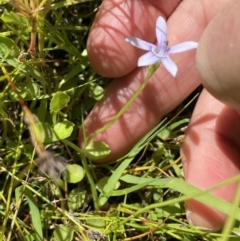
(162, 52)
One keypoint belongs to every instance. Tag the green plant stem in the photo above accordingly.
(88, 173)
(150, 72)
(92, 184)
(41, 19)
(10, 189)
(196, 196)
(232, 216)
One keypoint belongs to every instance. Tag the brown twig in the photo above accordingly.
(29, 9)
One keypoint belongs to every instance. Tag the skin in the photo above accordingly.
(211, 149)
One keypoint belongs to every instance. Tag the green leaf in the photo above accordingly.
(103, 181)
(130, 189)
(176, 124)
(3, 113)
(49, 134)
(73, 173)
(28, 91)
(72, 73)
(35, 214)
(63, 129)
(164, 134)
(97, 91)
(46, 132)
(8, 48)
(34, 72)
(59, 101)
(11, 17)
(99, 222)
(167, 132)
(185, 188)
(63, 233)
(76, 199)
(42, 110)
(97, 150)
(100, 186)
(29, 237)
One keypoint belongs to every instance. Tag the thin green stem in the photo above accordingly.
(151, 70)
(232, 216)
(88, 173)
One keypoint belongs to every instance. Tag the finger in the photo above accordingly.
(218, 56)
(162, 94)
(166, 7)
(211, 155)
(109, 54)
(156, 100)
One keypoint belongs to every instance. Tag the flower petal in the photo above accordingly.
(148, 59)
(170, 66)
(183, 47)
(161, 33)
(139, 43)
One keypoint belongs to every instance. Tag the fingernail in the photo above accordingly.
(188, 215)
(196, 219)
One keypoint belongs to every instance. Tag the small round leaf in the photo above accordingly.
(76, 199)
(97, 150)
(59, 101)
(45, 132)
(73, 173)
(63, 129)
(97, 91)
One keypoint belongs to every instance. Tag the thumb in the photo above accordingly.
(218, 56)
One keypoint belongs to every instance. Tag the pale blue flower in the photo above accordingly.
(161, 51)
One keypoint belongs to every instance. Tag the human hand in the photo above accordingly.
(213, 156)
(111, 56)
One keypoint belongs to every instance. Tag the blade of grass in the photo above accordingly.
(232, 216)
(35, 214)
(109, 187)
(65, 213)
(190, 192)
